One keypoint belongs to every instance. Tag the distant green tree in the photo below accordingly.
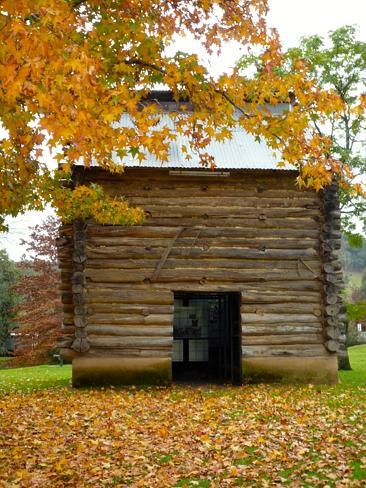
(336, 64)
(8, 300)
(339, 64)
(354, 258)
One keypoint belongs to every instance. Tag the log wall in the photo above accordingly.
(252, 232)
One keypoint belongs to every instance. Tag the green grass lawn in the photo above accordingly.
(356, 377)
(35, 378)
(255, 436)
(55, 376)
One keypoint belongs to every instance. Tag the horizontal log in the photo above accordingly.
(159, 232)
(179, 211)
(80, 333)
(80, 344)
(134, 342)
(135, 331)
(294, 307)
(289, 296)
(332, 333)
(77, 289)
(333, 309)
(201, 241)
(297, 200)
(261, 252)
(331, 298)
(80, 321)
(184, 263)
(217, 221)
(66, 297)
(123, 308)
(306, 287)
(145, 178)
(80, 310)
(301, 284)
(68, 308)
(332, 345)
(332, 288)
(189, 275)
(252, 318)
(281, 328)
(101, 294)
(333, 321)
(162, 179)
(67, 330)
(295, 350)
(283, 339)
(64, 287)
(333, 266)
(66, 276)
(78, 299)
(110, 318)
(121, 352)
(198, 191)
(65, 341)
(334, 277)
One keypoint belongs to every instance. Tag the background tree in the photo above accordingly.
(339, 64)
(69, 69)
(39, 313)
(354, 256)
(8, 300)
(363, 286)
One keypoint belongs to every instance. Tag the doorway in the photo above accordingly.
(207, 338)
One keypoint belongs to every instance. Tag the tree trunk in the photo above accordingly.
(343, 358)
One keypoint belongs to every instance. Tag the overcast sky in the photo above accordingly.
(293, 19)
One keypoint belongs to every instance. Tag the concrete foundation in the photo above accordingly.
(316, 370)
(106, 371)
(100, 371)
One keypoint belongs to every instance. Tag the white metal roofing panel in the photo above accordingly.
(242, 151)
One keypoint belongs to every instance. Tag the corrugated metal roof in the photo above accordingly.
(242, 151)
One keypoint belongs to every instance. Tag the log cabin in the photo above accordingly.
(233, 277)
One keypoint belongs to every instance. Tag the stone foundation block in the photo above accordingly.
(107, 371)
(316, 370)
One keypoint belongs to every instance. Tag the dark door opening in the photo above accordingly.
(207, 337)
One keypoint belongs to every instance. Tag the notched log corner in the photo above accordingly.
(80, 342)
(333, 276)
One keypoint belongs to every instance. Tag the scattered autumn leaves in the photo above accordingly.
(248, 436)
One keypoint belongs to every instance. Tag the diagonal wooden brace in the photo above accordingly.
(165, 255)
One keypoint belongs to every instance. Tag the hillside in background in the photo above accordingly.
(354, 259)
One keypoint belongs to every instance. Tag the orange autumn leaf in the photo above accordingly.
(69, 70)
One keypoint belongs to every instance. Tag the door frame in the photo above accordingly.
(233, 305)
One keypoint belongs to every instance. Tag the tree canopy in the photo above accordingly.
(39, 311)
(70, 68)
(338, 64)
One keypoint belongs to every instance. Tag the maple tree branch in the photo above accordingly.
(226, 96)
(317, 128)
(139, 62)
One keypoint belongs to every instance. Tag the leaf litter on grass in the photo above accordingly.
(156, 437)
